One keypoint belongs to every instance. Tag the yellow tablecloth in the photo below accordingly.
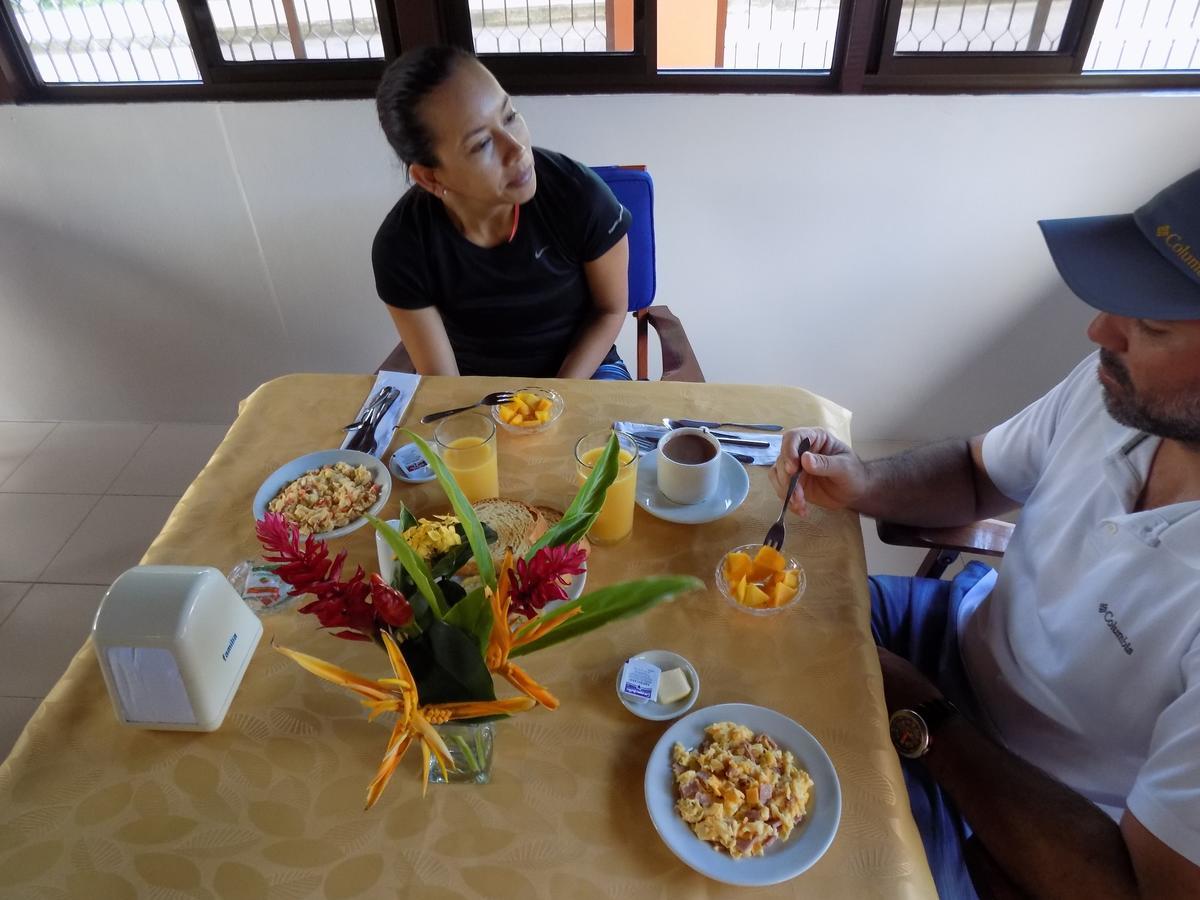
(270, 805)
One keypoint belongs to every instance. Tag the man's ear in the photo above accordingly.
(426, 177)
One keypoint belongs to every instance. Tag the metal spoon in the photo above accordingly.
(490, 400)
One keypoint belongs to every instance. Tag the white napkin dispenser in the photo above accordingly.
(173, 643)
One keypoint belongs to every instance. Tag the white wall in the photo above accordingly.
(157, 261)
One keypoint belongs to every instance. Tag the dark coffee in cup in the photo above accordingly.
(689, 449)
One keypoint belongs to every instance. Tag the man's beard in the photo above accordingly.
(1177, 419)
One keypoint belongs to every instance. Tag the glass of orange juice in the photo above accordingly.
(467, 445)
(616, 515)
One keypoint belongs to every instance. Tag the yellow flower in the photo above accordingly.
(430, 538)
(413, 721)
(505, 638)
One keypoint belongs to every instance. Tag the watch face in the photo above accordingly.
(909, 734)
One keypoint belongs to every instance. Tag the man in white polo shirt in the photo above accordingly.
(1049, 715)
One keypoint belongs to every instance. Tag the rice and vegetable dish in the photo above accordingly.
(327, 498)
(738, 790)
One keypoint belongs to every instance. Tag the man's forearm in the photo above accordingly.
(1044, 837)
(932, 486)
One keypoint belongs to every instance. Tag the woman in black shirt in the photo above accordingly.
(502, 258)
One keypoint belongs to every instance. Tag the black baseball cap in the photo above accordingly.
(1145, 265)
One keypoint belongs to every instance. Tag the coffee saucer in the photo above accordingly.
(732, 488)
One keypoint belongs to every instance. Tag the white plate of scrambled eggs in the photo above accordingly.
(347, 498)
(813, 787)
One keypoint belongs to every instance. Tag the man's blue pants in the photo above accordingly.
(916, 618)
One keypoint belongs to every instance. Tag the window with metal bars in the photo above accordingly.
(106, 41)
(179, 49)
(1044, 43)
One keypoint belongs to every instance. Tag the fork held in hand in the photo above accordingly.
(775, 533)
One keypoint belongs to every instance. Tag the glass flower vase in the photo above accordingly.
(470, 745)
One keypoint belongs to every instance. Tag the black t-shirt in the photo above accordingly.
(514, 309)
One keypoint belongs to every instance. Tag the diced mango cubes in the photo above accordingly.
(526, 410)
(755, 597)
(737, 566)
(762, 581)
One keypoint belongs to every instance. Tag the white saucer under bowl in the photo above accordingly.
(732, 488)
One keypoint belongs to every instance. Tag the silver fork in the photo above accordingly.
(491, 399)
(644, 444)
(775, 533)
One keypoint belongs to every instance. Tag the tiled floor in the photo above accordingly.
(79, 504)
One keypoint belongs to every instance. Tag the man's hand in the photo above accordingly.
(833, 477)
(904, 686)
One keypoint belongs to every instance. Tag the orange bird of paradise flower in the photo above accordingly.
(504, 639)
(413, 721)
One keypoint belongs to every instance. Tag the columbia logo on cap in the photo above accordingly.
(1175, 244)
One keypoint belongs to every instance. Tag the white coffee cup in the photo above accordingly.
(689, 465)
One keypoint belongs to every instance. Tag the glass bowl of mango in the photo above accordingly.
(760, 580)
(531, 410)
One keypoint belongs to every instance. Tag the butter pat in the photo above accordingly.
(673, 686)
(639, 680)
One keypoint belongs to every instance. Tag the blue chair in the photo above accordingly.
(634, 188)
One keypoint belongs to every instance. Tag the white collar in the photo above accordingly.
(1176, 526)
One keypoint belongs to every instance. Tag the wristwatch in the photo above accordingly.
(913, 729)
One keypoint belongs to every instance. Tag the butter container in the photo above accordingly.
(639, 680)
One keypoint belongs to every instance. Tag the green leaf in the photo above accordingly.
(414, 565)
(406, 518)
(451, 561)
(453, 592)
(463, 509)
(473, 614)
(581, 514)
(422, 614)
(447, 666)
(618, 601)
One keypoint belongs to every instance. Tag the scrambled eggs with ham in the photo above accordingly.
(739, 790)
(326, 498)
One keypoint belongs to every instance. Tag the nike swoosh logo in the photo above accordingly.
(538, 255)
(620, 216)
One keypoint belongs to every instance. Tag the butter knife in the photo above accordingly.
(696, 423)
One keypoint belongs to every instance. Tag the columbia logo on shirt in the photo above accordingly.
(1110, 620)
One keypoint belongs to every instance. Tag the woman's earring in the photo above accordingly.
(443, 193)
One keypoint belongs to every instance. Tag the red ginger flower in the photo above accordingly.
(543, 578)
(338, 604)
(390, 605)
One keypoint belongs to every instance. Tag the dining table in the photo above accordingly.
(271, 804)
